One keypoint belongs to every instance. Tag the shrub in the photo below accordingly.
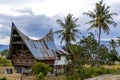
(4, 78)
(80, 74)
(4, 62)
(94, 71)
(115, 71)
(40, 76)
(40, 69)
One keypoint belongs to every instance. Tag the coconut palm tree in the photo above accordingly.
(69, 30)
(112, 44)
(101, 18)
(118, 41)
(113, 53)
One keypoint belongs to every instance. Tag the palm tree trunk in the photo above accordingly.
(99, 36)
(67, 45)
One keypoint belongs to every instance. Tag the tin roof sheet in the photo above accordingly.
(44, 48)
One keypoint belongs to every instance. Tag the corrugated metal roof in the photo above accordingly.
(61, 51)
(44, 48)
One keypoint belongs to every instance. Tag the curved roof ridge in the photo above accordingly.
(44, 37)
(49, 33)
(14, 27)
(42, 49)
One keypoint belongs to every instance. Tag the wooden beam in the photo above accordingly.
(18, 42)
(16, 35)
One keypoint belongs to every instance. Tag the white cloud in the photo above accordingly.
(5, 40)
(49, 7)
(52, 7)
(112, 2)
(1, 26)
(26, 14)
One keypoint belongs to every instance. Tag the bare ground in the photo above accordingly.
(106, 77)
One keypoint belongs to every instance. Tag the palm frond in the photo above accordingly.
(59, 31)
(60, 23)
(101, 17)
(69, 29)
(90, 14)
(63, 38)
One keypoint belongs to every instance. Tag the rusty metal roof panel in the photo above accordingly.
(61, 51)
(51, 45)
(42, 49)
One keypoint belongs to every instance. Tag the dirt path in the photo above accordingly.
(106, 77)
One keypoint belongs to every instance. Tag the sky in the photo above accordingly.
(36, 17)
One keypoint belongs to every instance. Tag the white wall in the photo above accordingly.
(62, 61)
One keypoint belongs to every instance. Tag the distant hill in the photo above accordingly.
(104, 43)
(3, 47)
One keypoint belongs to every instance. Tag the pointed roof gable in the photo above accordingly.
(42, 49)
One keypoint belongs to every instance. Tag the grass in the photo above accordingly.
(115, 70)
(113, 67)
(14, 76)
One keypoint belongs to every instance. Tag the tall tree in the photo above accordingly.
(118, 41)
(101, 18)
(69, 30)
(113, 54)
(112, 44)
(4, 53)
(89, 45)
(104, 55)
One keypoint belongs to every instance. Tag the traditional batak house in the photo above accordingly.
(24, 51)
